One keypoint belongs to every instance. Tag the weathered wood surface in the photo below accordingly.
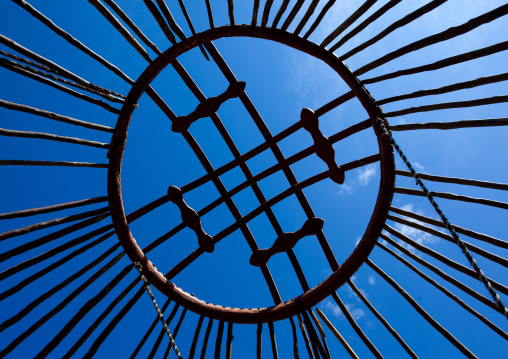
(396, 25)
(120, 28)
(323, 145)
(52, 208)
(465, 288)
(348, 22)
(452, 196)
(335, 332)
(208, 107)
(445, 333)
(70, 39)
(446, 292)
(52, 137)
(448, 88)
(322, 14)
(286, 241)
(452, 125)
(380, 12)
(453, 60)
(467, 232)
(51, 163)
(356, 327)
(191, 219)
(54, 116)
(436, 38)
(445, 260)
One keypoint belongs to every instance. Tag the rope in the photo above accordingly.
(139, 267)
(455, 236)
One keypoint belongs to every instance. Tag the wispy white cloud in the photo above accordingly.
(372, 280)
(362, 179)
(333, 309)
(413, 233)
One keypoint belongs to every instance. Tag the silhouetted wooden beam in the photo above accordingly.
(170, 19)
(316, 23)
(29, 331)
(32, 74)
(57, 287)
(442, 274)
(451, 125)
(337, 334)
(449, 105)
(449, 88)
(445, 260)
(229, 340)
(51, 237)
(50, 223)
(356, 327)
(446, 334)
(84, 310)
(321, 331)
(46, 21)
(110, 326)
(271, 202)
(396, 25)
(453, 60)
(149, 331)
(295, 338)
(23, 283)
(436, 38)
(259, 340)
(266, 12)
(383, 321)
(365, 23)
(210, 14)
(51, 163)
(348, 22)
(467, 232)
(218, 341)
(51, 137)
(317, 346)
(282, 9)
(55, 68)
(447, 292)
(191, 27)
(121, 14)
(452, 196)
(273, 341)
(196, 337)
(255, 11)
(306, 16)
(292, 14)
(53, 116)
(305, 337)
(494, 258)
(120, 28)
(52, 252)
(160, 20)
(53, 208)
(205, 339)
(231, 12)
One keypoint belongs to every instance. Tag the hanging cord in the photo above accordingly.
(455, 236)
(139, 267)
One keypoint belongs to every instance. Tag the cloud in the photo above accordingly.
(417, 166)
(362, 179)
(333, 309)
(413, 233)
(372, 280)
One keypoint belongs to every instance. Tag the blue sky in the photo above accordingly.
(280, 82)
